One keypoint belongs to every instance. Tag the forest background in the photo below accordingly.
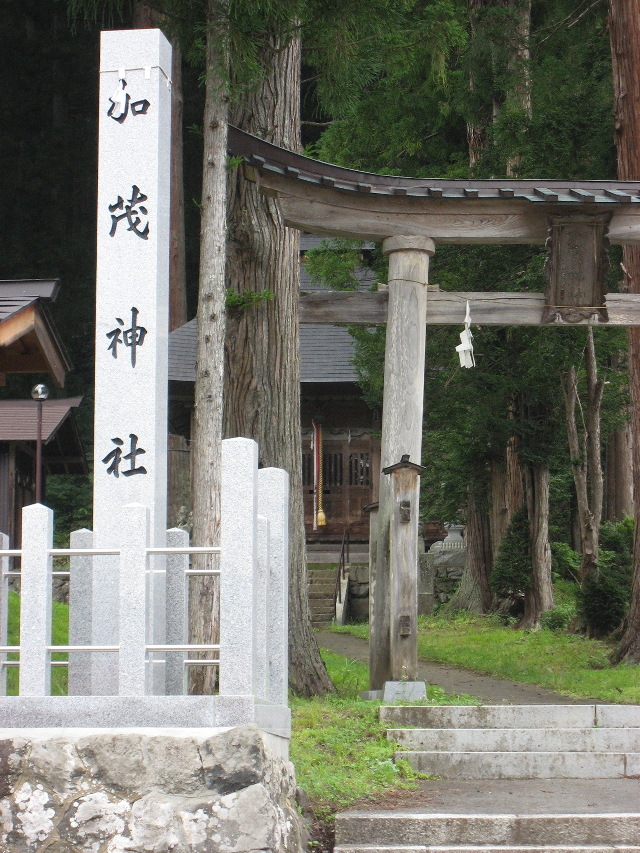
(487, 88)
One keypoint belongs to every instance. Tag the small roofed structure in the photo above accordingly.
(61, 453)
(28, 340)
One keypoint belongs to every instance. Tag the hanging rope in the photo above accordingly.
(322, 520)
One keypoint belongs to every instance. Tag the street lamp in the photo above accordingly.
(39, 394)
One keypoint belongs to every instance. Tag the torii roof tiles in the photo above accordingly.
(269, 159)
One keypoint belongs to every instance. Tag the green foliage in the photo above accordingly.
(339, 745)
(565, 562)
(511, 573)
(237, 303)
(334, 263)
(618, 537)
(59, 637)
(559, 618)
(566, 663)
(603, 601)
(70, 498)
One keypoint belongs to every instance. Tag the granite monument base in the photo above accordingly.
(135, 790)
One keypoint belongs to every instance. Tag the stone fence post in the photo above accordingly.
(238, 567)
(262, 604)
(80, 613)
(176, 612)
(273, 504)
(35, 601)
(5, 563)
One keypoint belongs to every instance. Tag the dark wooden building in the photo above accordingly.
(61, 454)
(330, 396)
(29, 343)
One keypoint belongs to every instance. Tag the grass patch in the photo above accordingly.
(569, 664)
(59, 637)
(340, 748)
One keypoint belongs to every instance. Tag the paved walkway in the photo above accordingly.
(490, 691)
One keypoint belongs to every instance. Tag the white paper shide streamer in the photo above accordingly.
(119, 97)
(465, 347)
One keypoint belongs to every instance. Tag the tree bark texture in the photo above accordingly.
(204, 598)
(262, 363)
(539, 596)
(624, 32)
(479, 551)
(586, 460)
(619, 476)
(507, 494)
(177, 259)
(519, 96)
(476, 132)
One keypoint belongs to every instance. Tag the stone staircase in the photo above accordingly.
(510, 742)
(321, 585)
(519, 741)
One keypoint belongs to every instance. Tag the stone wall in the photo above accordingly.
(358, 593)
(439, 574)
(165, 791)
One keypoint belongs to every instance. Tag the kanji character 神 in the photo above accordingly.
(132, 337)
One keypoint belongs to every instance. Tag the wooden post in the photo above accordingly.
(405, 498)
(401, 419)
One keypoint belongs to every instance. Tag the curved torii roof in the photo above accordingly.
(334, 201)
(576, 219)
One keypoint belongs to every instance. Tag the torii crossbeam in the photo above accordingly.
(577, 220)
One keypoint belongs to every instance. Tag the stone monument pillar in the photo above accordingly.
(401, 419)
(132, 299)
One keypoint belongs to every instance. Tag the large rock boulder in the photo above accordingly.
(146, 793)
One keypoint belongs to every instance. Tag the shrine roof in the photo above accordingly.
(326, 354)
(62, 452)
(18, 418)
(18, 294)
(271, 160)
(29, 342)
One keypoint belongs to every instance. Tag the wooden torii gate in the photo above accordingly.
(576, 220)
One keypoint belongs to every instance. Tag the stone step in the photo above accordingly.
(524, 765)
(319, 591)
(511, 716)
(517, 740)
(322, 574)
(322, 605)
(387, 832)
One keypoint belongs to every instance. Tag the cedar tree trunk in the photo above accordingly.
(507, 494)
(619, 476)
(586, 461)
(539, 596)
(262, 368)
(479, 552)
(624, 31)
(204, 601)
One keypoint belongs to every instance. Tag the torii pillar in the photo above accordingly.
(401, 422)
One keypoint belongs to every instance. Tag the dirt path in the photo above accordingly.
(490, 691)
